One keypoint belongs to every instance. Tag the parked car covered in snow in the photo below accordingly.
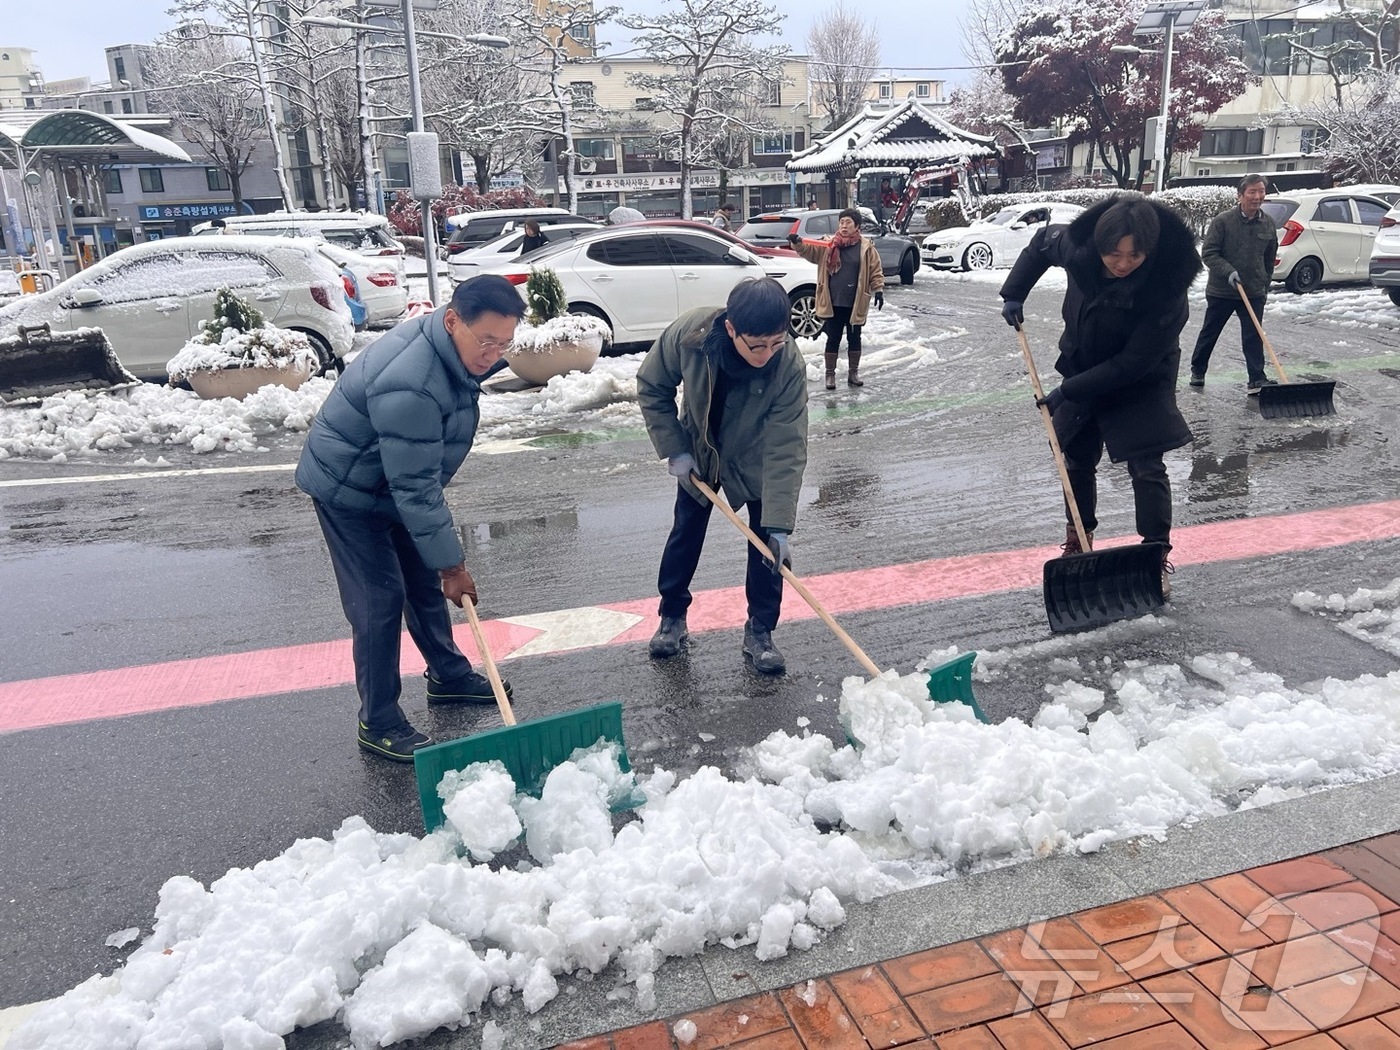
(994, 241)
(640, 277)
(150, 298)
(1324, 236)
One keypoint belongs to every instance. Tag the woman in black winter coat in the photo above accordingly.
(1128, 261)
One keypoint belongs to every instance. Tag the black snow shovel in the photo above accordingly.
(1289, 400)
(35, 363)
(1093, 588)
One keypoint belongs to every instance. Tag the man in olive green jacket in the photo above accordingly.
(742, 426)
(1239, 251)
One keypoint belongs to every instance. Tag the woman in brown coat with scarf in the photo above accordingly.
(848, 274)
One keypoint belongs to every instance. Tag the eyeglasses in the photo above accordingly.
(487, 344)
(767, 348)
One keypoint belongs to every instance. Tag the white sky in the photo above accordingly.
(914, 32)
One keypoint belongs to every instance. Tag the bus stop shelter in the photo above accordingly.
(51, 176)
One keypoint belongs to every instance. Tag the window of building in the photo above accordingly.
(598, 149)
(217, 179)
(922, 91)
(112, 180)
(1232, 142)
(644, 103)
(1202, 171)
(1311, 140)
(886, 90)
(107, 106)
(582, 33)
(773, 93)
(126, 105)
(1287, 165)
(152, 181)
(767, 144)
(581, 94)
(119, 64)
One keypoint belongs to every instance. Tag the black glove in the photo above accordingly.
(782, 551)
(1011, 312)
(879, 300)
(1052, 400)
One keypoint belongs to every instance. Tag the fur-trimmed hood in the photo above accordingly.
(1169, 270)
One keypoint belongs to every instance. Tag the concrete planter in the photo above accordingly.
(238, 383)
(539, 366)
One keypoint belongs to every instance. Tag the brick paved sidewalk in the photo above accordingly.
(1304, 953)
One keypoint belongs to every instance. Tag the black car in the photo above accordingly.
(898, 255)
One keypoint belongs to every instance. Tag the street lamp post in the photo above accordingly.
(1164, 17)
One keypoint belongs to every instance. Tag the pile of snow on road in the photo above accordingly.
(397, 935)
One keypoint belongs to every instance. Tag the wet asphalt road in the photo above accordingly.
(930, 459)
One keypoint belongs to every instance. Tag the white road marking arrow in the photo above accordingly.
(572, 629)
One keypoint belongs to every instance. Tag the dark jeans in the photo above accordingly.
(1218, 311)
(1152, 490)
(762, 586)
(383, 582)
(840, 320)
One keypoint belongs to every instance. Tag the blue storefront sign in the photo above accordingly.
(171, 212)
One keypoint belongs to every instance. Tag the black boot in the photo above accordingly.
(669, 637)
(470, 688)
(759, 647)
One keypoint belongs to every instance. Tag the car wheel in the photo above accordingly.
(1306, 276)
(803, 322)
(1394, 294)
(325, 357)
(977, 257)
(586, 310)
(907, 265)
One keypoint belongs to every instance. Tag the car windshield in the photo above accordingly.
(766, 228)
(1280, 211)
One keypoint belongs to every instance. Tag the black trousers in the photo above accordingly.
(1152, 489)
(835, 324)
(1218, 311)
(762, 586)
(383, 582)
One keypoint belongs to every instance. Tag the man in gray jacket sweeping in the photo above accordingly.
(741, 424)
(392, 434)
(1239, 251)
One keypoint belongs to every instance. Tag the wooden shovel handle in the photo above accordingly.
(797, 585)
(502, 701)
(1262, 337)
(1054, 441)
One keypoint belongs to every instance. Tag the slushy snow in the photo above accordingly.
(395, 935)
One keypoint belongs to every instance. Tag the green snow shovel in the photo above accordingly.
(1289, 400)
(949, 682)
(528, 751)
(1095, 587)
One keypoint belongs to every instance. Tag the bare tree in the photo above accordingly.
(985, 24)
(702, 46)
(1363, 132)
(214, 107)
(845, 51)
(241, 19)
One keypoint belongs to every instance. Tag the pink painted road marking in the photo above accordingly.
(206, 680)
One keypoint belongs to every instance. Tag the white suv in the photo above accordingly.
(362, 232)
(150, 298)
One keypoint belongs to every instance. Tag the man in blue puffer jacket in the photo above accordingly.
(392, 434)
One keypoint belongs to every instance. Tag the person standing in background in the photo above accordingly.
(849, 275)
